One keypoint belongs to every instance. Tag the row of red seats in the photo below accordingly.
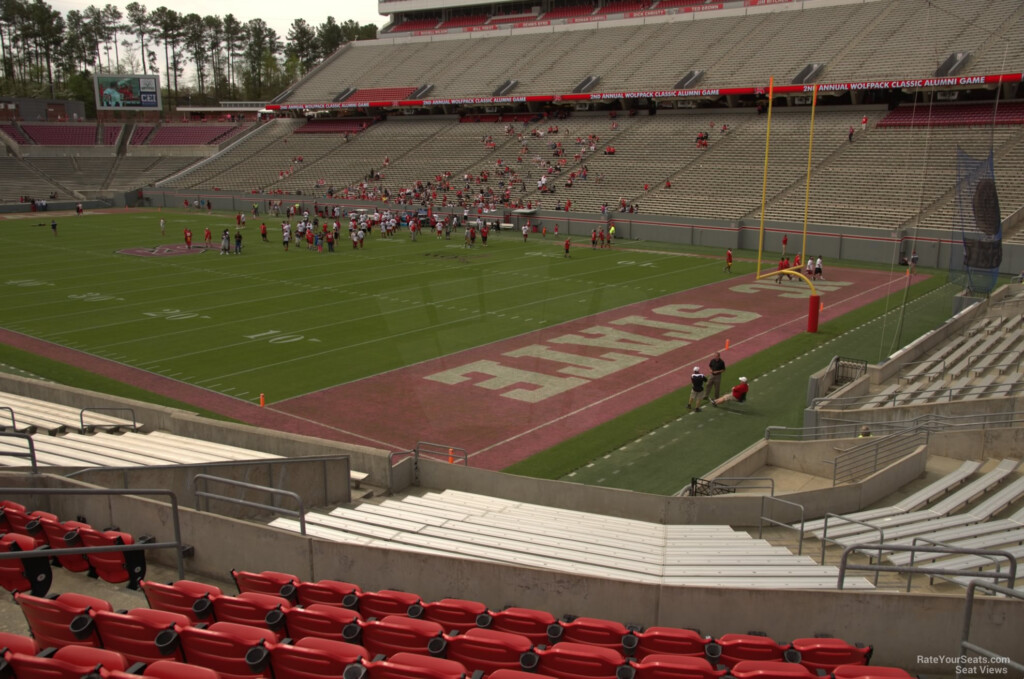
(29, 531)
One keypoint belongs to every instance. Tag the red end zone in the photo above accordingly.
(507, 400)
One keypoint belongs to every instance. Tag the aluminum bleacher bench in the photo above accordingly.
(62, 417)
(979, 531)
(987, 541)
(961, 497)
(981, 562)
(977, 514)
(907, 504)
(775, 582)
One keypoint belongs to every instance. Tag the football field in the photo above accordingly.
(504, 350)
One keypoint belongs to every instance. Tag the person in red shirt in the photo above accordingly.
(568, 244)
(593, 239)
(188, 238)
(600, 237)
(785, 242)
(484, 230)
(728, 261)
(207, 237)
(263, 233)
(738, 393)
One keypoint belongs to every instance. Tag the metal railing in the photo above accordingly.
(938, 543)
(300, 513)
(825, 540)
(898, 398)
(1010, 576)
(764, 518)
(965, 644)
(875, 453)
(846, 370)
(931, 422)
(31, 454)
(137, 547)
(131, 411)
(14, 424)
(717, 487)
(708, 488)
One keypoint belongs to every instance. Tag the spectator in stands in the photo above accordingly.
(865, 432)
(850, 135)
(738, 393)
(864, 122)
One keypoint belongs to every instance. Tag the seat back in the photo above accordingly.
(50, 619)
(571, 660)
(664, 666)
(412, 666)
(266, 582)
(487, 650)
(223, 647)
(70, 662)
(528, 622)
(313, 658)
(826, 653)
(330, 592)
(56, 533)
(251, 608)
(135, 633)
(17, 643)
(318, 620)
(451, 614)
(739, 647)
(114, 567)
(385, 602)
(179, 597)
(770, 669)
(593, 631)
(397, 634)
(670, 640)
(27, 574)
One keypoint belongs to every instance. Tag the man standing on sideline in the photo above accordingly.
(163, 227)
(728, 261)
(697, 382)
(717, 367)
(568, 244)
(53, 226)
(188, 238)
(785, 242)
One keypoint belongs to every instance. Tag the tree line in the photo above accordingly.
(46, 54)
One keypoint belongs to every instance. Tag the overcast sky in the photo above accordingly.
(279, 15)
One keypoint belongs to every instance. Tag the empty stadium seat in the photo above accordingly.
(223, 647)
(870, 672)
(769, 669)
(660, 666)
(115, 567)
(133, 633)
(407, 666)
(15, 518)
(329, 592)
(309, 658)
(249, 608)
(671, 640)
(517, 674)
(57, 536)
(485, 650)
(69, 662)
(163, 669)
(382, 603)
(266, 582)
(318, 620)
(17, 643)
(50, 618)
(570, 660)
(734, 648)
(824, 654)
(532, 624)
(180, 597)
(593, 631)
(452, 614)
(394, 634)
(26, 574)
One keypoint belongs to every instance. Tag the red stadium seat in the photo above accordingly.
(223, 647)
(57, 537)
(592, 631)
(310, 658)
(732, 648)
(870, 672)
(50, 619)
(330, 592)
(407, 666)
(824, 654)
(134, 633)
(394, 634)
(17, 643)
(658, 666)
(673, 640)
(517, 674)
(180, 597)
(69, 662)
(385, 602)
(266, 582)
(26, 574)
(165, 669)
(570, 660)
(452, 614)
(770, 669)
(15, 518)
(485, 650)
(318, 620)
(531, 623)
(115, 567)
(250, 608)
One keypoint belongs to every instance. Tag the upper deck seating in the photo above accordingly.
(335, 126)
(82, 134)
(191, 135)
(363, 95)
(567, 12)
(140, 134)
(414, 25)
(111, 133)
(12, 131)
(623, 6)
(952, 115)
(463, 21)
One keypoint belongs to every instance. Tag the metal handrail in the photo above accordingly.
(969, 612)
(850, 402)
(770, 480)
(931, 421)
(1010, 576)
(301, 513)
(874, 453)
(114, 548)
(764, 518)
(14, 425)
(81, 416)
(453, 454)
(825, 540)
(31, 454)
(937, 543)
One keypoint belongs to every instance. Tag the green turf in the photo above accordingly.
(288, 323)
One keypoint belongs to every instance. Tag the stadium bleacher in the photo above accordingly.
(60, 134)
